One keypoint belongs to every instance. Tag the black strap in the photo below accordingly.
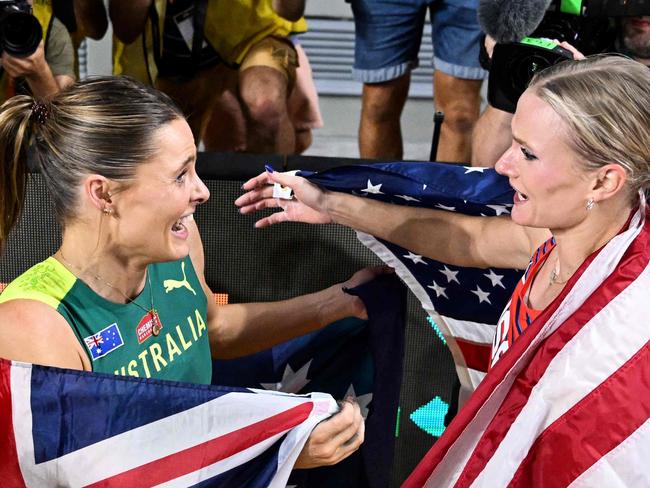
(200, 11)
(198, 22)
(155, 34)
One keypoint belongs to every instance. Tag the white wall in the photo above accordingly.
(326, 8)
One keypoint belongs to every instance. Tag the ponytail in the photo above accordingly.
(104, 126)
(15, 134)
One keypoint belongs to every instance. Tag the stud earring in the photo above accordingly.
(107, 210)
(590, 204)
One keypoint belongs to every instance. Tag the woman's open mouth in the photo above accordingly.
(179, 226)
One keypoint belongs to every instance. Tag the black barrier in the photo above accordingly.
(271, 264)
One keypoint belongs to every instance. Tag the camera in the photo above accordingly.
(589, 25)
(514, 64)
(20, 31)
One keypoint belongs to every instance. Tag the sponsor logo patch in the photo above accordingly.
(145, 328)
(172, 284)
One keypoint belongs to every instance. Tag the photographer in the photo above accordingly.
(46, 70)
(492, 134)
(634, 39)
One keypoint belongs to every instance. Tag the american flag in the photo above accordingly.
(72, 428)
(569, 403)
(465, 303)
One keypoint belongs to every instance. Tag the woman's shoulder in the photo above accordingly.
(47, 282)
(33, 331)
(31, 328)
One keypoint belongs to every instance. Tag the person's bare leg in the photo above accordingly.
(380, 134)
(263, 91)
(304, 139)
(460, 101)
(226, 128)
(187, 96)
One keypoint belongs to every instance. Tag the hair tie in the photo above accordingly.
(40, 112)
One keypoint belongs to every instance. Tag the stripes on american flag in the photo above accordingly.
(569, 404)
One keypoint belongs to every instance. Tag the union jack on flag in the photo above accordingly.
(105, 341)
(73, 428)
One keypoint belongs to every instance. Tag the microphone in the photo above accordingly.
(510, 20)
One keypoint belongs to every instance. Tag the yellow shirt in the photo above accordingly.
(231, 26)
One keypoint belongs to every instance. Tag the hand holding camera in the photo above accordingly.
(554, 27)
(20, 31)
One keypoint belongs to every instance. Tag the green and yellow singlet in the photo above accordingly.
(121, 338)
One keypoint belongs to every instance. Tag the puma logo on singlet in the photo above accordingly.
(173, 284)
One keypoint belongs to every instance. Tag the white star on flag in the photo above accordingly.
(407, 198)
(499, 209)
(416, 258)
(482, 295)
(444, 207)
(440, 291)
(374, 189)
(451, 275)
(362, 400)
(474, 169)
(495, 279)
(292, 381)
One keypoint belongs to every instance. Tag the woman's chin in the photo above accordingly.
(519, 216)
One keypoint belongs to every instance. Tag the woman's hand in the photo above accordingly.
(577, 55)
(333, 439)
(357, 307)
(307, 205)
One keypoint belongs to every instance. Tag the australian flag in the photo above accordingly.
(72, 428)
(464, 303)
(349, 358)
(104, 341)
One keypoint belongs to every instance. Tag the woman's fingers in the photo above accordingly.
(334, 439)
(259, 180)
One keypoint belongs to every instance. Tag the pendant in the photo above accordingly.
(156, 324)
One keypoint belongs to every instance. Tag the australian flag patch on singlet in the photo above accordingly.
(104, 341)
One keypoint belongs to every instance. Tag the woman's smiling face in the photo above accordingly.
(152, 211)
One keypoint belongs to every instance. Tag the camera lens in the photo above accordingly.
(21, 33)
(524, 69)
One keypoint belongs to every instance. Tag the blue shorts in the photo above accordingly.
(388, 35)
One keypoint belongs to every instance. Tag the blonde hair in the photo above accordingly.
(101, 126)
(605, 101)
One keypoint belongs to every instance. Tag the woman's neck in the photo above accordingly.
(574, 245)
(113, 276)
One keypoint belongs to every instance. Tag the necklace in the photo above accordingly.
(555, 274)
(156, 324)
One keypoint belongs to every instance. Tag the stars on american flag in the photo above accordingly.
(474, 169)
(373, 189)
(292, 381)
(451, 275)
(407, 198)
(416, 258)
(494, 278)
(483, 296)
(440, 291)
(472, 294)
(445, 207)
(499, 209)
